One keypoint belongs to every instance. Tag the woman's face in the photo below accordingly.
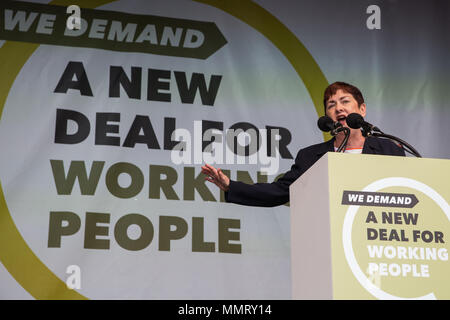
(341, 104)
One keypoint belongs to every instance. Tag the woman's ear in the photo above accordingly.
(362, 108)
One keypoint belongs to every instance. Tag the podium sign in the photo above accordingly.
(371, 227)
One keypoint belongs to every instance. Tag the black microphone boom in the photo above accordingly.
(356, 121)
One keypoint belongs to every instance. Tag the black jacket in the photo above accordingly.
(277, 193)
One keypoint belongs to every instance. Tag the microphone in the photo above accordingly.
(326, 124)
(356, 121)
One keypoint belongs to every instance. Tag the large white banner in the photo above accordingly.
(98, 202)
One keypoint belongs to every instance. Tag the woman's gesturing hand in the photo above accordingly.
(216, 176)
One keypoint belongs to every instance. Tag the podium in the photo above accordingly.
(371, 227)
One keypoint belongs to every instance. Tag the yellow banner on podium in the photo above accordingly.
(371, 227)
(390, 227)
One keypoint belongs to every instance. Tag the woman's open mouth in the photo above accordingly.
(342, 119)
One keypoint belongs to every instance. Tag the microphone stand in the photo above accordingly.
(374, 131)
(344, 142)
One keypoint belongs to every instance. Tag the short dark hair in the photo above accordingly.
(334, 87)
